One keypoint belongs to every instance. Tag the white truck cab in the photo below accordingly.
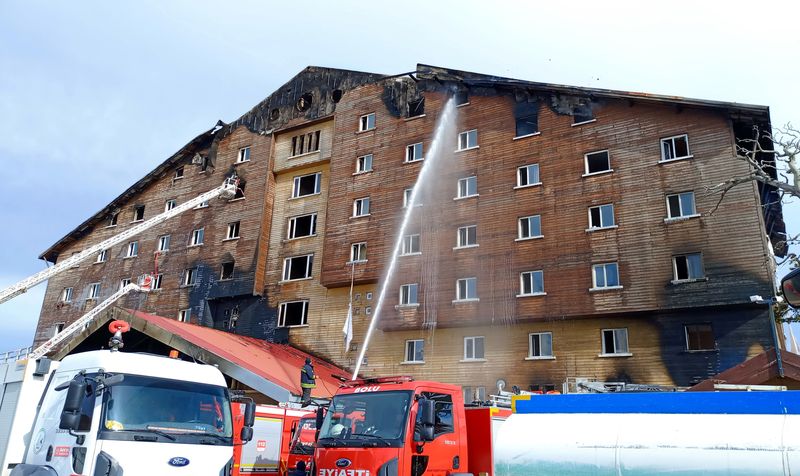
(112, 413)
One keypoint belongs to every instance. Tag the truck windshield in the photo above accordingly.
(303, 438)
(142, 408)
(366, 419)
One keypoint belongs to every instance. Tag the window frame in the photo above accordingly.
(605, 286)
(185, 315)
(233, 230)
(689, 279)
(364, 164)
(413, 350)
(687, 346)
(189, 277)
(541, 356)
(530, 275)
(137, 211)
(466, 135)
(292, 226)
(243, 155)
(198, 237)
(404, 250)
(170, 204)
(132, 250)
(222, 275)
(600, 217)
(359, 248)
(282, 313)
(466, 295)
(472, 340)
(102, 256)
(364, 122)
(94, 291)
(531, 237)
(671, 140)
(466, 181)
(287, 267)
(66, 294)
(682, 216)
(614, 332)
(296, 185)
(162, 240)
(124, 282)
(527, 176)
(466, 235)
(411, 153)
(587, 173)
(406, 302)
(157, 282)
(358, 207)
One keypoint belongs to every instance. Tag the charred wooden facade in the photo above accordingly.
(566, 233)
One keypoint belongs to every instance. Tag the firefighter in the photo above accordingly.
(307, 382)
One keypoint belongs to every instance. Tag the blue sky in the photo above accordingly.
(95, 94)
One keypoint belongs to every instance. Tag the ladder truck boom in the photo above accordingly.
(226, 190)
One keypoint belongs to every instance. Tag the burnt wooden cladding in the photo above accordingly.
(207, 258)
(730, 239)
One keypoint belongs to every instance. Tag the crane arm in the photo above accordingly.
(226, 190)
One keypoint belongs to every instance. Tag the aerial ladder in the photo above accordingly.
(226, 190)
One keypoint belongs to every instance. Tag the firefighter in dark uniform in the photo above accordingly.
(307, 381)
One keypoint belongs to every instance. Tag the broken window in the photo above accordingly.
(467, 187)
(615, 341)
(197, 237)
(467, 236)
(582, 114)
(688, 267)
(178, 173)
(364, 164)
(184, 315)
(124, 282)
(66, 295)
(527, 125)
(304, 102)
(601, 216)
(138, 213)
(170, 204)
(416, 108)
(540, 344)
(468, 139)
(163, 243)
(336, 95)
(156, 283)
(410, 245)
(673, 148)
(528, 175)
(112, 219)
(294, 313)
(462, 98)
(366, 122)
(233, 231)
(414, 152)
(361, 207)
(94, 291)
(132, 249)
(358, 252)
(243, 155)
(297, 267)
(227, 271)
(681, 205)
(699, 337)
(467, 289)
(304, 225)
(305, 185)
(408, 295)
(189, 276)
(239, 190)
(529, 227)
(474, 348)
(597, 162)
(605, 275)
(305, 143)
(531, 283)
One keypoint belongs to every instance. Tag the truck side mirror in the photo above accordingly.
(790, 285)
(427, 410)
(246, 434)
(249, 415)
(70, 414)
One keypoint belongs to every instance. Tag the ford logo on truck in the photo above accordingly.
(178, 461)
(342, 463)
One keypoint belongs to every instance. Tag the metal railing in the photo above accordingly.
(14, 355)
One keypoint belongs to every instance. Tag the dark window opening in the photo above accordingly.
(337, 95)
(306, 185)
(112, 219)
(240, 190)
(699, 337)
(274, 114)
(293, 314)
(462, 97)
(179, 172)
(416, 108)
(597, 162)
(304, 102)
(527, 125)
(138, 213)
(298, 267)
(305, 143)
(302, 226)
(227, 271)
(582, 114)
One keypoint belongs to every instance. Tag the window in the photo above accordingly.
(462, 98)
(688, 267)
(361, 207)
(416, 108)
(132, 249)
(364, 164)
(124, 282)
(467, 289)
(178, 173)
(468, 140)
(467, 236)
(408, 295)
(414, 152)
(189, 276)
(467, 187)
(163, 243)
(156, 284)
(243, 155)
(297, 267)
(102, 257)
(305, 143)
(615, 341)
(605, 276)
(473, 348)
(410, 245)
(239, 191)
(674, 148)
(202, 204)
(184, 315)
(358, 252)
(699, 337)
(233, 231)
(304, 225)
(66, 295)
(170, 204)
(94, 291)
(540, 345)
(294, 313)
(442, 409)
(530, 227)
(415, 350)
(366, 122)
(582, 114)
(112, 219)
(197, 237)
(528, 175)
(226, 271)
(138, 213)
(597, 162)
(601, 216)
(531, 283)
(305, 185)
(681, 205)
(407, 198)
(527, 125)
